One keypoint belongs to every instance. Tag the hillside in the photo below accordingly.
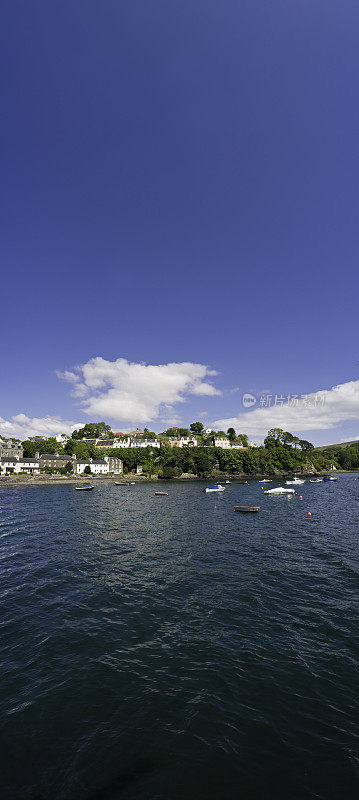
(340, 444)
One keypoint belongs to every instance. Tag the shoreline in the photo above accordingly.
(55, 480)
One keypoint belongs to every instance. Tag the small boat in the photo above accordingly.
(329, 478)
(265, 480)
(132, 483)
(247, 508)
(279, 490)
(241, 483)
(162, 493)
(84, 488)
(316, 480)
(216, 488)
(296, 481)
(227, 481)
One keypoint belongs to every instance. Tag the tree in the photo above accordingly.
(277, 433)
(196, 427)
(168, 473)
(231, 434)
(68, 467)
(204, 461)
(46, 446)
(306, 446)
(287, 438)
(87, 470)
(244, 439)
(92, 430)
(80, 449)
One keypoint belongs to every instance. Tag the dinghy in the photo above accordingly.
(84, 488)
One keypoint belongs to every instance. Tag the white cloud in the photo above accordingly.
(21, 426)
(66, 375)
(320, 410)
(133, 392)
(170, 421)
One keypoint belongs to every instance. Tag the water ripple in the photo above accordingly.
(177, 649)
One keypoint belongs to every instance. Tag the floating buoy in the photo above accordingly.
(309, 513)
(301, 498)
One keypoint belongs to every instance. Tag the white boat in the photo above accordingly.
(279, 490)
(265, 480)
(216, 488)
(316, 480)
(295, 481)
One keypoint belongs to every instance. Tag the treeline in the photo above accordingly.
(344, 457)
(77, 447)
(281, 452)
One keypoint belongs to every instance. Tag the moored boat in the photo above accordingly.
(215, 488)
(295, 481)
(162, 493)
(279, 490)
(84, 488)
(247, 508)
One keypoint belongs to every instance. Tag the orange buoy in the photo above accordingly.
(301, 497)
(309, 513)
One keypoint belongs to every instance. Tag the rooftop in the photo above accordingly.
(55, 456)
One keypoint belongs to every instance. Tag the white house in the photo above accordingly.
(109, 464)
(125, 442)
(97, 467)
(17, 466)
(145, 443)
(9, 465)
(181, 441)
(115, 464)
(223, 442)
(62, 438)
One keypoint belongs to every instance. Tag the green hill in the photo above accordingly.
(340, 444)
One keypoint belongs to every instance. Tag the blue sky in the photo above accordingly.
(179, 186)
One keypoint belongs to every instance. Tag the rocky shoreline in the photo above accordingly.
(55, 480)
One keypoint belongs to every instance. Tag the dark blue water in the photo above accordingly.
(167, 647)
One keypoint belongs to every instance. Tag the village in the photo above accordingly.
(13, 461)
